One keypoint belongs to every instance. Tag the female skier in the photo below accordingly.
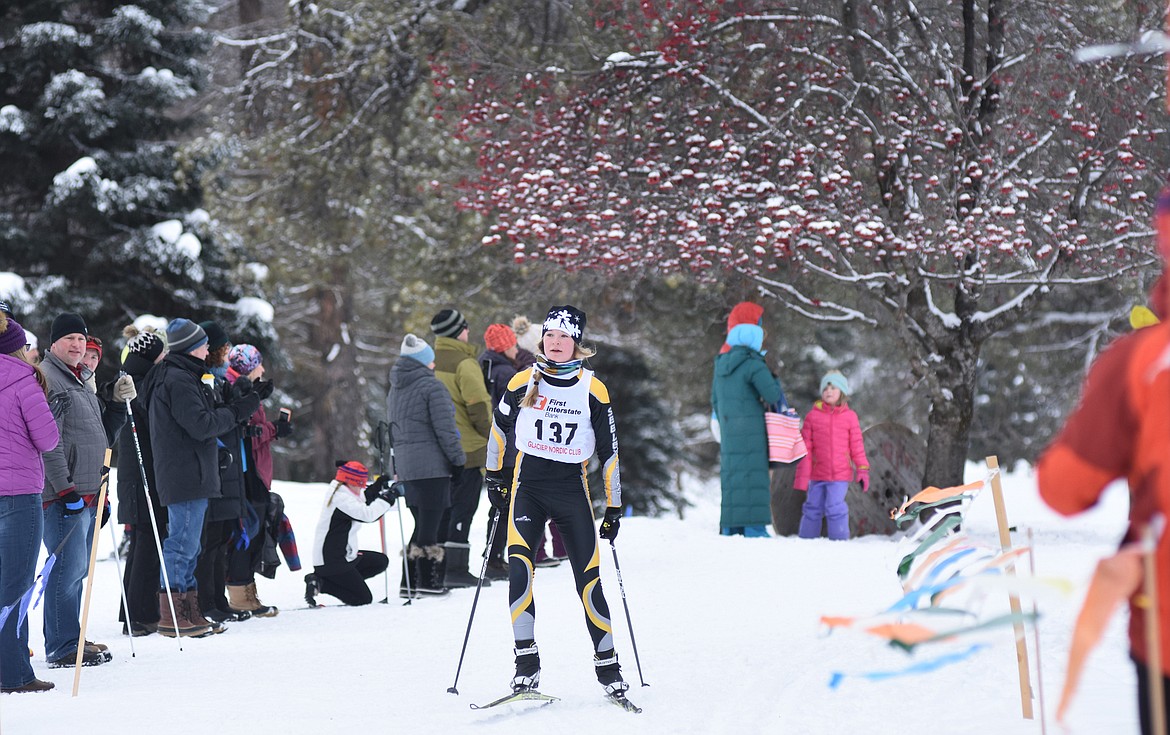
(561, 415)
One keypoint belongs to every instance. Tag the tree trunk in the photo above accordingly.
(952, 406)
(332, 415)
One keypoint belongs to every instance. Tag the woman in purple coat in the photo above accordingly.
(27, 428)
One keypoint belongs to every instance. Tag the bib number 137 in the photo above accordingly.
(556, 432)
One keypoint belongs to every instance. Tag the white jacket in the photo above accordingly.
(336, 543)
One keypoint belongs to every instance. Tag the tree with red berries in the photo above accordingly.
(932, 177)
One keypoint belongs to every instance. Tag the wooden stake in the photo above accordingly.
(1153, 637)
(101, 504)
(1005, 542)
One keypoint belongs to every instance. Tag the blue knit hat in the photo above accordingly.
(835, 377)
(184, 335)
(747, 335)
(417, 349)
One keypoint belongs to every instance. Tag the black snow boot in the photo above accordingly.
(527, 667)
(312, 589)
(430, 571)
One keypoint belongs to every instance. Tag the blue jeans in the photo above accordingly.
(181, 547)
(66, 581)
(21, 526)
(825, 500)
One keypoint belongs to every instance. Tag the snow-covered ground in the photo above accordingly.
(727, 630)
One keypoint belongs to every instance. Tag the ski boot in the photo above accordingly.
(609, 673)
(527, 676)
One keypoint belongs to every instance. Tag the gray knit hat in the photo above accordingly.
(448, 323)
(417, 349)
(184, 335)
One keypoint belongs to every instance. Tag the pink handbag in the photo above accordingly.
(785, 444)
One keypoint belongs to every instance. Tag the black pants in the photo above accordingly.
(465, 491)
(142, 573)
(428, 500)
(571, 510)
(211, 569)
(1143, 677)
(349, 584)
(242, 563)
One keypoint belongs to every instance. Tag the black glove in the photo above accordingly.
(384, 488)
(264, 388)
(243, 385)
(390, 491)
(253, 430)
(105, 516)
(245, 405)
(498, 492)
(73, 502)
(456, 470)
(613, 520)
(283, 427)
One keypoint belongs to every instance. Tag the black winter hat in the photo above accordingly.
(216, 336)
(147, 345)
(4, 307)
(567, 319)
(448, 323)
(67, 323)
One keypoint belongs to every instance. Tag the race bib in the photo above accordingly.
(557, 427)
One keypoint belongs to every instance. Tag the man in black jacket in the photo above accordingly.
(184, 424)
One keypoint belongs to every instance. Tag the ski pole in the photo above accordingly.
(380, 445)
(122, 586)
(474, 602)
(93, 546)
(405, 560)
(386, 574)
(621, 586)
(386, 442)
(154, 523)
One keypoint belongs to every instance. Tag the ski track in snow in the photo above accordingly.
(727, 630)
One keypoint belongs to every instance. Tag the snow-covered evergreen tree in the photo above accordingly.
(100, 207)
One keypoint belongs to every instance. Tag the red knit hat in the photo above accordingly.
(352, 473)
(93, 343)
(745, 312)
(499, 337)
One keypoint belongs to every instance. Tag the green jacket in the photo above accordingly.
(458, 369)
(742, 385)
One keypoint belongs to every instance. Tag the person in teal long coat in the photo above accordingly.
(742, 387)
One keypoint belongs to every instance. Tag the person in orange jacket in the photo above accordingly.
(1121, 429)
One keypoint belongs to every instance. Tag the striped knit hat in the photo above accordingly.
(184, 335)
(448, 323)
(352, 473)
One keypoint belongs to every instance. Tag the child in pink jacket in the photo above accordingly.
(832, 434)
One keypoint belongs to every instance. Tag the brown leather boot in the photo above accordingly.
(259, 608)
(196, 615)
(168, 624)
(242, 597)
